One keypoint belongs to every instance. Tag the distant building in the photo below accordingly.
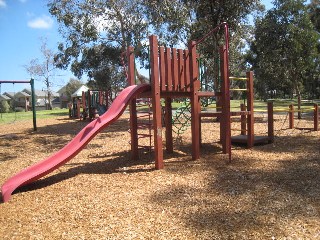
(23, 99)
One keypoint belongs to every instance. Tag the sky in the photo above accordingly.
(22, 25)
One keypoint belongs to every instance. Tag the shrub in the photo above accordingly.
(19, 109)
(4, 107)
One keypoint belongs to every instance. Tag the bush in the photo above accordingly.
(4, 107)
(19, 109)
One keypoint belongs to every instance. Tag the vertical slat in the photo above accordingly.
(187, 71)
(174, 69)
(181, 71)
(195, 105)
(162, 69)
(156, 107)
(168, 69)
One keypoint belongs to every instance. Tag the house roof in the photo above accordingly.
(9, 94)
(78, 93)
(4, 97)
(22, 94)
(40, 93)
(62, 90)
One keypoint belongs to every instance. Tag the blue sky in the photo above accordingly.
(22, 24)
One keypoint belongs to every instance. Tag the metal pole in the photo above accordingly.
(33, 105)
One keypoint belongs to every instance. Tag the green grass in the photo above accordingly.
(20, 116)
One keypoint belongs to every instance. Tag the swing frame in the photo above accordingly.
(33, 99)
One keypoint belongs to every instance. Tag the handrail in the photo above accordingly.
(226, 34)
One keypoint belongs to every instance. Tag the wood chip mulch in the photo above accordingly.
(268, 192)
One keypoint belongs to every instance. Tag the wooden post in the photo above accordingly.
(243, 120)
(270, 123)
(132, 107)
(225, 121)
(250, 117)
(78, 108)
(168, 123)
(156, 105)
(291, 116)
(195, 104)
(316, 117)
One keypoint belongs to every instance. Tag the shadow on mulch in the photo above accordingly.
(118, 161)
(241, 197)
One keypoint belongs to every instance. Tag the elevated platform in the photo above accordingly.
(243, 139)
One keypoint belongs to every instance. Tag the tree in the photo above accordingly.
(96, 34)
(180, 21)
(72, 86)
(284, 50)
(4, 106)
(44, 69)
(314, 10)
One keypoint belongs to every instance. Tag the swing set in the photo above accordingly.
(31, 82)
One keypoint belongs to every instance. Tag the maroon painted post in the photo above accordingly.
(225, 121)
(270, 122)
(156, 105)
(107, 99)
(89, 105)
(291, 116)
(132, 107)
(316, 117)
(78, 108)
(83, 97)
(195, 104)
(250, 117)
(243, 120)
(168, 123)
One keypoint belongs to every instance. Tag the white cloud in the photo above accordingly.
(44, 22)
(3, 4)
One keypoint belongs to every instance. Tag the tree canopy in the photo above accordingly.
(97, 32)
(284, 51)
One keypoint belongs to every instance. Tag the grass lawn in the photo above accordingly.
(18, 116)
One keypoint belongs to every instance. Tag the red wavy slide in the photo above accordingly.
(53, 162)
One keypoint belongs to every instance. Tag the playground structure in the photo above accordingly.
(174, 74)
(33, 101)
(290, 111)
(90, 105)
(94, 104)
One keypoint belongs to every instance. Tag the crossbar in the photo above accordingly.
(13, 81)
(239, 78)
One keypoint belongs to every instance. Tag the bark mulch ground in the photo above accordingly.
(268, 192)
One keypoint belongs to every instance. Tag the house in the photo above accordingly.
(64, 99)
(78, 93)
(41, 98)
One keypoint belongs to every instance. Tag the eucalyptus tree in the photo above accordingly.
(96, 33)
(179, 21)
(44, 69)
